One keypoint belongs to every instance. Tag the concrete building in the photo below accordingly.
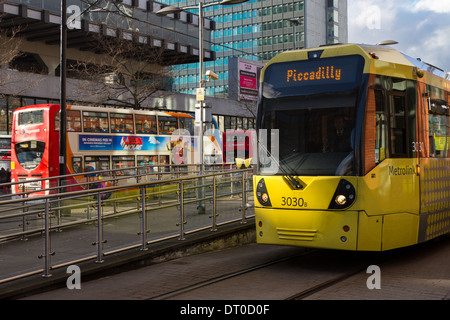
(30, 51)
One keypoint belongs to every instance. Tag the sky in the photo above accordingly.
(422, 27)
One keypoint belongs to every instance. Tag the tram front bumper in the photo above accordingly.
(307, 228)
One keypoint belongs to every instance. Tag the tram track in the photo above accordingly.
(332, 267)
(227, 276)
(306, 275)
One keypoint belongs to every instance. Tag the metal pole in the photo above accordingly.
(47, 253)
(143, 221)
(181, 199)
(214, 224)
(99, 230)
(244, 197)
(201, 206)
(62, 115)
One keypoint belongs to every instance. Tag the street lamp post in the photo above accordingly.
(170, 10)
(294, 22)
(62, 103)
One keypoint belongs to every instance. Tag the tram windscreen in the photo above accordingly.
(314, 120)
(29, 153)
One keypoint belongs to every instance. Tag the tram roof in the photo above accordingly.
(380, 59)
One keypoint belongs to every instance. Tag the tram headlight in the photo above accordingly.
(344, 196)
(262, 195)
(341, 199)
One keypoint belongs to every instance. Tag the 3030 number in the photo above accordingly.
(293, 202)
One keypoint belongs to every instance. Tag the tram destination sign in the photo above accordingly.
(327, 71)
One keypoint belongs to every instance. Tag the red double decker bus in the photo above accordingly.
(34, 146)
(97, 139)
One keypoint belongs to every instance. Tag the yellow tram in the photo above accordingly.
(352, 149)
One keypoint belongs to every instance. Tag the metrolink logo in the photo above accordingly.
(401, 171)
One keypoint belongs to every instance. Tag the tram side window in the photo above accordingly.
(95, 121)
(146, 124)
(122, 123)
(438, 123)
(380, 138)
(167, 125)
(73, 120)
(397, 103)
(439, 142)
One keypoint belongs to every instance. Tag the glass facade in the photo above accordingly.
(256, 30)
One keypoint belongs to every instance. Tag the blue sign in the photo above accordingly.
(123, 143)
(95, 143)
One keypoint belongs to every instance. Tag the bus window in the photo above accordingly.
(121, 123)
(187, 124)
(146, 161)
(167, 125)
(73, 120)
(31, 117)
(123, 162)
(146, 124)
(96, 163)
(29, 153)
(164, 160)
(95, 121)
(76, 164)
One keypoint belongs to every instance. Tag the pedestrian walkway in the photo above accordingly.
(234, 234)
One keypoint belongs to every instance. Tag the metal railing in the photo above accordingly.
(68, 227)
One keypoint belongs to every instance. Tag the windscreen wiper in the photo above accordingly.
(290, 179)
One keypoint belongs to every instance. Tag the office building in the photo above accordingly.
(260, 29)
